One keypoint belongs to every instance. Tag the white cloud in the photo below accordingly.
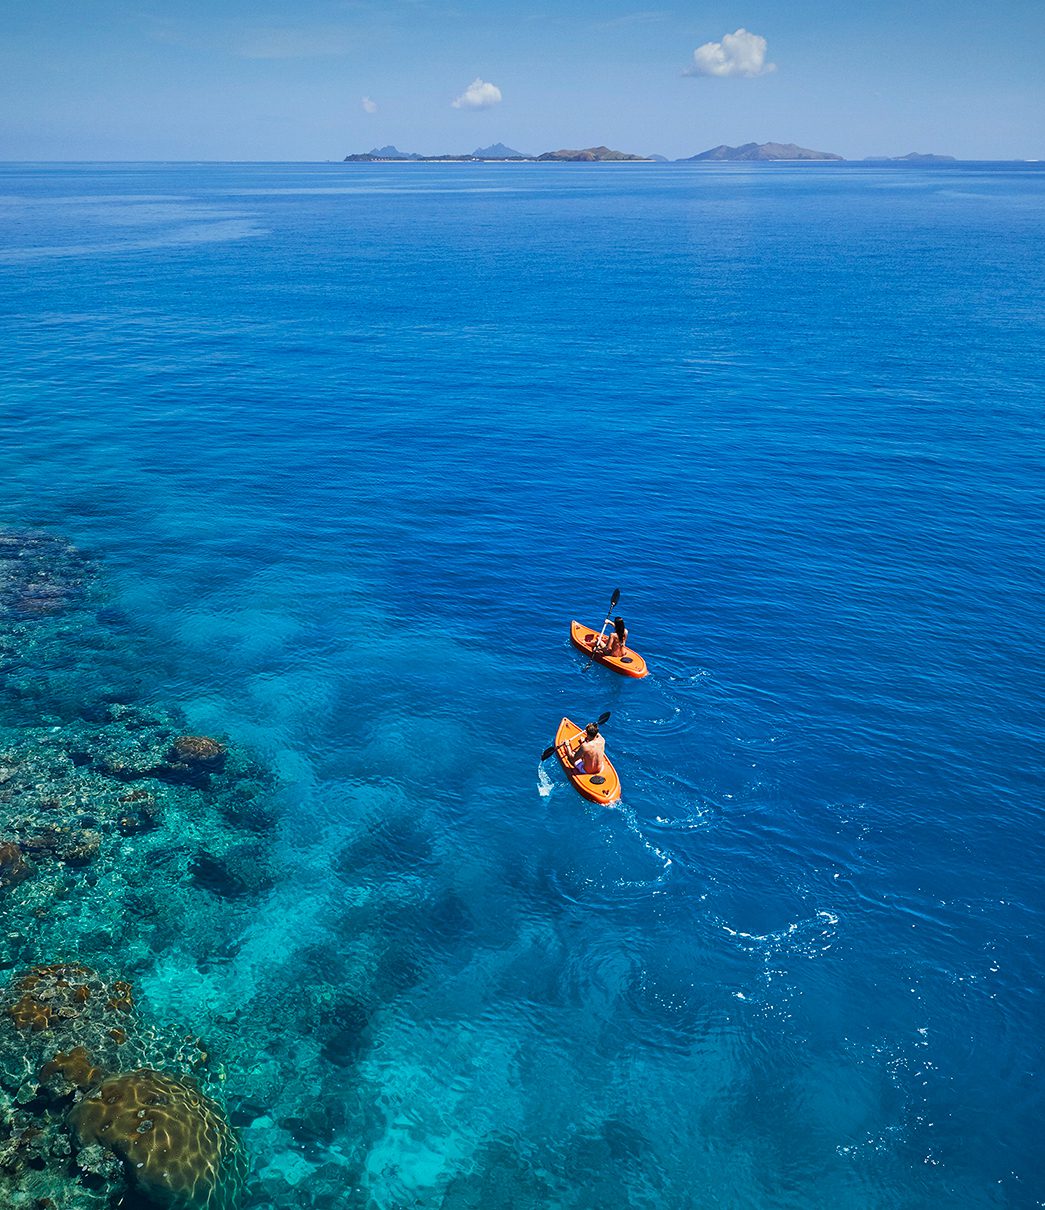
(478, 95)
(368, 105)
(738, 54)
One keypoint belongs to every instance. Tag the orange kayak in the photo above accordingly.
(628, 664)
(604, 787)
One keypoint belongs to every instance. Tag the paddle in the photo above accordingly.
(548, 751)
(613, 605)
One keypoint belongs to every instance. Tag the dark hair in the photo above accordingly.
(618, 626)
(591, 730)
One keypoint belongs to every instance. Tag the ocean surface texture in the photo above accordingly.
(319, 461)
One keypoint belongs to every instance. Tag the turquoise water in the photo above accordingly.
(349, 446)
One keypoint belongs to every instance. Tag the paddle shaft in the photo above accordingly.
(613, 605)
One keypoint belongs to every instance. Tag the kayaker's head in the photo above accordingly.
(591, 730)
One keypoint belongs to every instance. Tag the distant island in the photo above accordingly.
(391, 154)
(761, 153)
(912, 157)
(590, 155)
(750, 153)
(498, 151)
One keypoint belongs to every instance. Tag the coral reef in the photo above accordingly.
(196, 755)
(69, 821)
(72, 1049)
(176, 1145)
(121, 832)
(40, 574)
(57, 1008)
(13, 866)
(134, 839)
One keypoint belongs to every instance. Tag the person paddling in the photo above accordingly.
(590, 754)
(615, 643)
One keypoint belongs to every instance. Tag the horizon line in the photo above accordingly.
(466, 157)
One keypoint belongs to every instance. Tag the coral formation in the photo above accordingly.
(175, 1142)
(39, 574)
(121, 840)
(200, 751)
(81, 847)
(71, 1049)
(74, 1070)
(13, 866)
(72, 1006)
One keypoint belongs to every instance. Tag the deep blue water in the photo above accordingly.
(353, 444)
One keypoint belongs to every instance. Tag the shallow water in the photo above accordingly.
(350, 446)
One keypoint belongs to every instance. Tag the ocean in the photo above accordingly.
(319, 460)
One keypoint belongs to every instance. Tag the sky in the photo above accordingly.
(319, 79)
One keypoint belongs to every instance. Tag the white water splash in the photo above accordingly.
(545, 785)
(633, 825)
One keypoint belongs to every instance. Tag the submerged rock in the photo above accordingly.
(13, 866)
(47, 840)
(80, 847)
(199, 752)
(344, 1030)
(40, 574)
(176, 1144)
(239, 872)
(133, 823)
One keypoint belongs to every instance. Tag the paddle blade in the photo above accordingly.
(615, 598)
(603, 718)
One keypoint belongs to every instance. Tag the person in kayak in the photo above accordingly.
(590, 754)
(615, 643)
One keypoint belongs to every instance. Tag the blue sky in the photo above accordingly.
(315, 80)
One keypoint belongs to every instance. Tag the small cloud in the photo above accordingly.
(738, 54)
(368, 105)
(478, 95)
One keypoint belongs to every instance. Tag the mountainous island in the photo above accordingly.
(391, 153)
(498, 151)
(761, 153)
(590, 155)
(757, 153)
(912, 157)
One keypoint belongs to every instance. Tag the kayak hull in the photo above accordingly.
(602, 788)
(628, 664)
